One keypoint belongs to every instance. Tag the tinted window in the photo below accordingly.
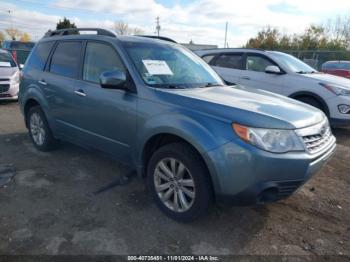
(100, 58)
(40, 55)
(65, 60)
(6, 60)
(257, 63)
(208, 58)
(233, 61)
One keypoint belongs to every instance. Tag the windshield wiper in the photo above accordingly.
(306, 72)
(210, 85)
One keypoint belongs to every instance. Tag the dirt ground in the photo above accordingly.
(69, 201)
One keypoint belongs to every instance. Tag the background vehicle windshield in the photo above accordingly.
(170, 66)
(292, 63)
(6, 60)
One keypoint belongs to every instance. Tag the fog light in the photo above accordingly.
(344, 109)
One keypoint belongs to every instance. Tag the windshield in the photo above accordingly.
(6, 60)
(170, 66)
(292, 63)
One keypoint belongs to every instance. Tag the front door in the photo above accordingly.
(254, 74)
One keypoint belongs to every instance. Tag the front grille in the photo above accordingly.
(4, 79)
(317, 137)
(4, 88)
(286, 188)
(315, 143)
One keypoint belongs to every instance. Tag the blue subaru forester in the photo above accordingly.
(159, 108)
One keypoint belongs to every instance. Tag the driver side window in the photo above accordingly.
(100, 58)
(258, 63)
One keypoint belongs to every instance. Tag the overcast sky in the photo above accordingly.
(202, 21)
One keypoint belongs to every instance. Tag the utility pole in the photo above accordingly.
(225, 43)
(157, 25)
(11, 24)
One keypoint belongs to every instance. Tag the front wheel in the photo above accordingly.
(179, 182)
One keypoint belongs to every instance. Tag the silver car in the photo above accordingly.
(9, 77)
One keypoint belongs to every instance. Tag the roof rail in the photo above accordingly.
(159, 37)
(75, 31)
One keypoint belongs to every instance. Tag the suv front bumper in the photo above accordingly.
(245, 175)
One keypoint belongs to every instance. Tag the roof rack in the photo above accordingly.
(159, 37)
(75, 31)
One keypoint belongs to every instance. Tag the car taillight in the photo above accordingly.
(14, 54)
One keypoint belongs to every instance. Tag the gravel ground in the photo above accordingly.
(51, 206)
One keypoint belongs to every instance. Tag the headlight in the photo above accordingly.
(15, 77)
(336, 89)
(272, 140)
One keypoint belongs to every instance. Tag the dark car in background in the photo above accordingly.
(338, 68)
(19, 50)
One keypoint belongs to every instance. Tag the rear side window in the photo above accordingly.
(65, 60)
(208, 58)
(233, 61)
(41, 52)
(100, 58)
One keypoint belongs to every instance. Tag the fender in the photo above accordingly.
(197, 131)
(35, 93)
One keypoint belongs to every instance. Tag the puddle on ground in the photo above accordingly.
(6, 175)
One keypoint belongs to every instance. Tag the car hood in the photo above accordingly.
(7, 72)
(252, 107)
(331, 79)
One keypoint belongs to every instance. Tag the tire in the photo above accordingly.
(312, 102)
(39, 130)
(193, 181)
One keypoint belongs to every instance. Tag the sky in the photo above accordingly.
(202, 21)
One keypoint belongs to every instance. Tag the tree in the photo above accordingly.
(123, 28)
(2, 36)
(13, 33)
(64, 24)
(25, 37)
(315, 37)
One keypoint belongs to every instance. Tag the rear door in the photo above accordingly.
(254, 74)
(59, 82)
(228, 65)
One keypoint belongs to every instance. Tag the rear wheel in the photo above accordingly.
(39, 130)
(179, 182)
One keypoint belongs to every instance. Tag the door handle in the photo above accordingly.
(80, 92)
(42, 82)
(246, 77)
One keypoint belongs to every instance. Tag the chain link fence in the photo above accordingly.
(316, 58)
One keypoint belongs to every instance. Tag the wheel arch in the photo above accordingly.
(313, 96)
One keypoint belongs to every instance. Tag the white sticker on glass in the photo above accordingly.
(5, 64)
(157, 67)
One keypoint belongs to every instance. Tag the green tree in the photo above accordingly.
(64, 24)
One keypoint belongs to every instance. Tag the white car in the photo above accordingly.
(9, 77)
(286, 75)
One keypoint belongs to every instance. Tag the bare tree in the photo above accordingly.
(123, 28)
(338, 29)
(138, 31)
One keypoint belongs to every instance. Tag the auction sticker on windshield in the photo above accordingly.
(157, 67)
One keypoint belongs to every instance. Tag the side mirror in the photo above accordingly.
(273, 70)
(113, 79)
(21, 66)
